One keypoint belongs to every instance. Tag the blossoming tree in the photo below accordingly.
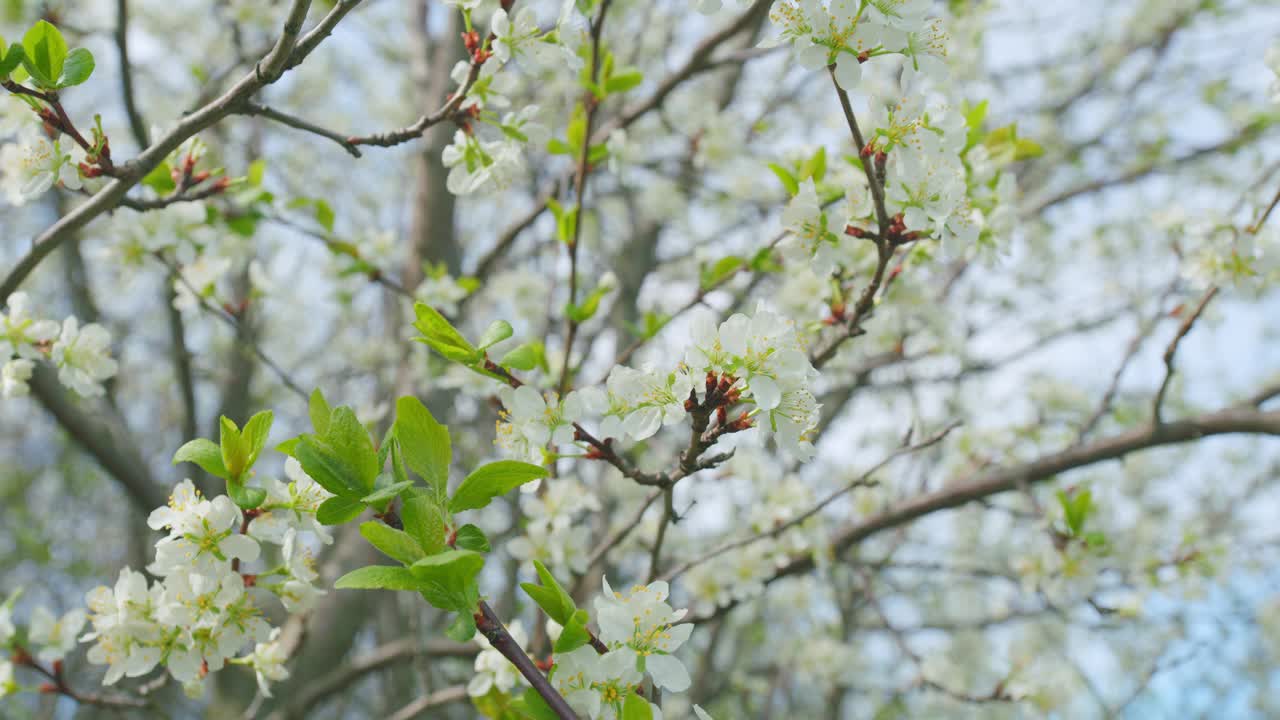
(611, 359)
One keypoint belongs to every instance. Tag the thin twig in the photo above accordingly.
(252, 108)
(1173, 349)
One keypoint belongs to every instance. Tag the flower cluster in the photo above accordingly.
(205, 610)
(82, 355)
(47, 639)
(763, 352)
(33, 164)
(848, 33)
(641, 632)
(551, 535)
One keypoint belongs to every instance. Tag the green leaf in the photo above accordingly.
(424, 443)
(550, 596)
(44, 52)
(489, 481)
(556, 146)
(443, 337)
(524, 357)
(378, 577)
(319, 410)
(471, 537)
(395, 544)
(288, 447)
(338, 510)
(623, 81)
(788, 180)
(202, 452)
(386, 493)
(255, 435)
(448, 579)
(327, 468)
(247, 498)
(160, 179)
(497, 331)
(235, 452)
(257, 169)
(425, 522)
(351, 442)
(324, 215)
(636, 708)
(574, 635)
(722, 270)
(9, 61)
(463, 627)
(538, 708)
(77, 68)
(815, 167)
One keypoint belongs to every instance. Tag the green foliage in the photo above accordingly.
(550, 596)
(424, 443)
(233, 457)
(574, 634)
(395, 544)
(489, 481)
(471, 537)
(46, 59)
(525, 357)
(10, 59)
(636, 708)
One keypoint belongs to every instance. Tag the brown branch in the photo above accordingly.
(1240, 419)
(252, 108)
(137, 125)
(591, 104)
(284, 55)
(862, 480)
(1172, 350)
(495, 632)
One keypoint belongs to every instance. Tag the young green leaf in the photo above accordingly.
(424, 443)
(255, 435)
(338, 510)
(10, 59)
(463, 627)
(523, 357)
(386, 493)
(489, 481)
(471, 537)
(378, 577)
(327, 468)
(235, 452)
(788, 180)
(395, 544)
(202, 452)
(425, 522)
(44, 53)
(247, 498)
(574, 634)
(550, 596)
(536, 707)
(350, 441)
(77, 68)
(443, 337)
(623, 81)
(497, 331)
(636, 708)
(319, 411)
(448, 579)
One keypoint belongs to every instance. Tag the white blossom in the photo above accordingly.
(14, 375)
(83, 358)
(492, 668)
(54, 636)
